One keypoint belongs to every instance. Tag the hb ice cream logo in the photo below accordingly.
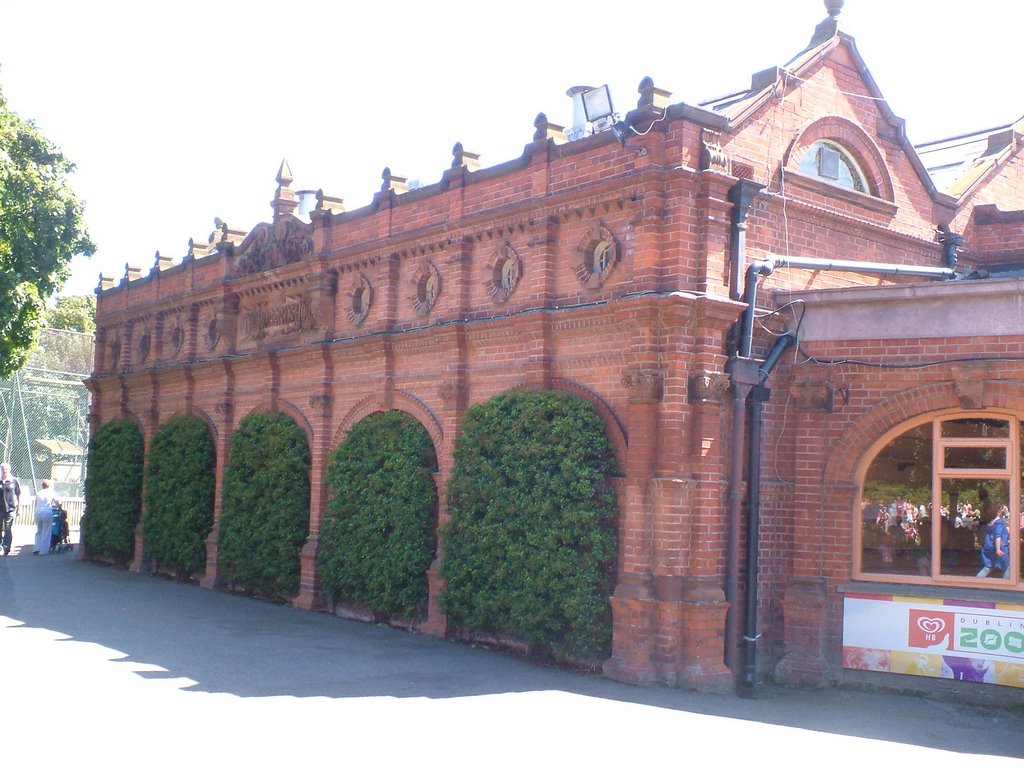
(929, 629)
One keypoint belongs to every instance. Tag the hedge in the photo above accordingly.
(379, 532)
(113, 491)
(179, 495)
(530, 548)
(265, 510)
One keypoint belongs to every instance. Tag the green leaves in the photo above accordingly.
(265, 511)
(531, 544)
(379, 531)
(41, 228)
(179, 495)
(113, 491)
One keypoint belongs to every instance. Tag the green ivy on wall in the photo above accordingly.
(379, 531)
(530, 548)
(179, 495)
(113, 491)
(265, 510)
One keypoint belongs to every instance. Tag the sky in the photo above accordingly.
(179, 113)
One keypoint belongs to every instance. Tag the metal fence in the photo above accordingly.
(44, 416)
(27, 511)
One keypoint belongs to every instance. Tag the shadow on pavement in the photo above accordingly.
(225, 643)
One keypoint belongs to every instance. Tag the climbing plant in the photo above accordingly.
(113, 491)
(530, 548)
(265, 508)
(180, 480)
(379, 531)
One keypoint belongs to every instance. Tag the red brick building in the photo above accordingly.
(651, 268)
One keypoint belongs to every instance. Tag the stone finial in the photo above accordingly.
(161, 263)
(105, 284)
(132, 272)
(650, 96)
(197, 250)
(464, 159)
(545, 129)
(284, 174)
(329, 204)
(394, 183)
(285, 201)
(827, 29)
(219, 232)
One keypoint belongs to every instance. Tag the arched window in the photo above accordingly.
(830, 162)
(940, 503)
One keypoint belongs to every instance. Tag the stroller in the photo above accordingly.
(60, 534)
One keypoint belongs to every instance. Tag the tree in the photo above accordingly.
(41, 228)
(73, 313)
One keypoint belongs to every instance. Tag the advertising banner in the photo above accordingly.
(974, 641)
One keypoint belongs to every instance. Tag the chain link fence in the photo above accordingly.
(44, 419)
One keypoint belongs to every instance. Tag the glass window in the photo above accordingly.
(974, 458)
(979, 428)
(830, 162)
(959, 477)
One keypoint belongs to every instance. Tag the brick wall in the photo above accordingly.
(401, 305)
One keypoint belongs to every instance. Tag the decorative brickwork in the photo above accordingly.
(590, 267)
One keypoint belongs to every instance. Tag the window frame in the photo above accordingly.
(1011, 473)
(810, 165)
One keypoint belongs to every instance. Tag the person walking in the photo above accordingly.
(10, 498)
(44, 518)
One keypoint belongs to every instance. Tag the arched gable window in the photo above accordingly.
(834, 152)
(940, 503)
(833, 164)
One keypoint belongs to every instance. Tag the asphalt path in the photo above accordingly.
(101, 665)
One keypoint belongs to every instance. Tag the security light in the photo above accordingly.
(597, 104)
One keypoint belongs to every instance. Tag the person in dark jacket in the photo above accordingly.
(9, 501)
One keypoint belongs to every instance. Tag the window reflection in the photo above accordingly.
(959, 520)
(897, 495)
(974, 458)
(968, 504)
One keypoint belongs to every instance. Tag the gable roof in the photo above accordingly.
(737, 107)
(957, 164)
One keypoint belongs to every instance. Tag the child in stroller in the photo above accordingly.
(60, 534)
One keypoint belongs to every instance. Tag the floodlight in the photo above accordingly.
(597, 104)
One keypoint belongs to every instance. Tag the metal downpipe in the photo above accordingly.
(758, 397)
(746, 375)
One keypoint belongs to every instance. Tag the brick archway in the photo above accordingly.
(612, 426)
(854, 139)
(845, 461)
(400, 401)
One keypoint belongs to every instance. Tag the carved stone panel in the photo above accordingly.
(266, 319)
(597, 256)
(270, 246)
(644, 385)
(706, 387)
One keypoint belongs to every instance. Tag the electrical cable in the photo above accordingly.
(831, 362)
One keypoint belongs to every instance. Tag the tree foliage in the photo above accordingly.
(265, 508)
(113, 491)
(380, 529)
(530, 549)
(41, 228)
(73, 313)
(180, 480)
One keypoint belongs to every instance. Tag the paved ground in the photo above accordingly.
(104, 665)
